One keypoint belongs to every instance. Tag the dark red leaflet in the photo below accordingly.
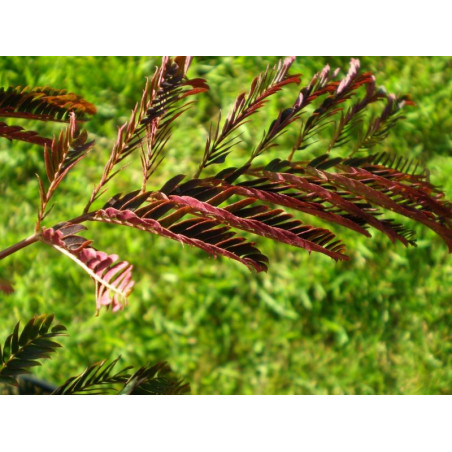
(417, 195)
(114, 281)
(129, 218)
(385, 201)
(19, 133)
(335, 199)
(43, 104)
(254, 226)
(291, 202)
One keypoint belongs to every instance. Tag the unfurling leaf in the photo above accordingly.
(113, 279)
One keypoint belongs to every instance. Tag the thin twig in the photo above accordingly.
(18, 246)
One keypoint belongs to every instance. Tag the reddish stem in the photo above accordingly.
(35, 237)
(18, 246)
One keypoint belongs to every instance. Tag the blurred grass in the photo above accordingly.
(379, 324)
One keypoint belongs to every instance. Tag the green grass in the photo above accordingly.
(378, 324)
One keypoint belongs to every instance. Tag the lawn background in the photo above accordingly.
(379, 324)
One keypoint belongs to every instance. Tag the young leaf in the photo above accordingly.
(60, 156)
(113, 279)
(266, 84)
(149, 127)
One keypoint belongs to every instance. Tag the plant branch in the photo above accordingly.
(36, 237)
(93, 275)
(18, 246)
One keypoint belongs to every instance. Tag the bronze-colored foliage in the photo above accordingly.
(113, 279)
(18, 133)
(206, 210)
(41, 104)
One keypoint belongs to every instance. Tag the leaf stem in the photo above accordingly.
(90, 272)
(18, 246)
(36, 237)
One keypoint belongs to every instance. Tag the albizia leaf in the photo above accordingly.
(18, 133)
(66, 150)
(62, 154)
(209, 194)
(287, 229)
(154, 379)
(379, 128)
(274, 194)
(259, 219)
(43, 104)
(113, 279)
(169, 87)
(22, 351)
(149, 127)
(98, 378)
(351, 206)
(199, 233)
(381, 199)
(275, 224)
(102, 378)
(337, 93)
(416, 191)
(269, 82)
(353, 191)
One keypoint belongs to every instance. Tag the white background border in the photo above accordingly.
(229, 423)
